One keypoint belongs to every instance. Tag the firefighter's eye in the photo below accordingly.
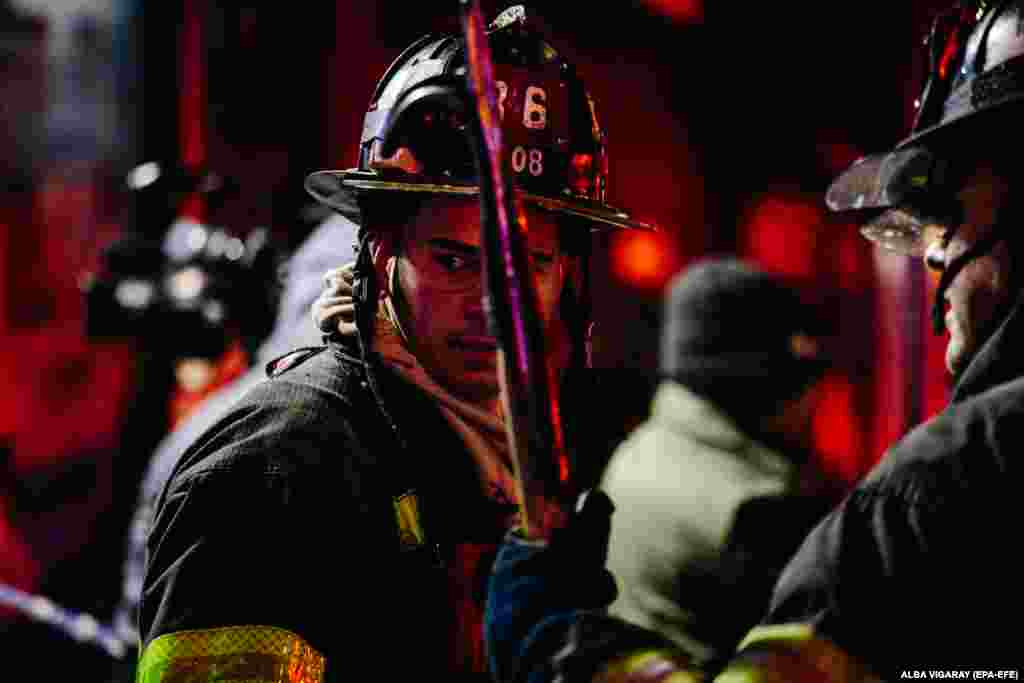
(945, 212)
(947, 236)
(453, 262)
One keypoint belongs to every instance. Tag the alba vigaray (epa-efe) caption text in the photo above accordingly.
(960, 674)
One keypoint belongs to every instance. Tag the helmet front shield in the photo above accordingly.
(904, 191)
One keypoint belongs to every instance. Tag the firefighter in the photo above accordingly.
(339, 522)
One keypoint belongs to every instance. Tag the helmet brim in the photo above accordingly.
(881, 181)
(882, 188)
(860, 186)
(868, 182)
(879, 184)
(938, 135)
(340, 189)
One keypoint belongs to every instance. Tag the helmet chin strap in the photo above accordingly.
(394, 294)
(365, 289)
(1000, 231)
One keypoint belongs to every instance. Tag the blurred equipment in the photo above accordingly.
(177, 284)
(80, 626)
(23, 37)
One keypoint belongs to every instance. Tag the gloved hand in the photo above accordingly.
(538, 590)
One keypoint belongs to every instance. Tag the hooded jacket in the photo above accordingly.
(705, 518)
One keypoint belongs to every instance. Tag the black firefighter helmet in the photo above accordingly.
(969, 108)
(415, 137)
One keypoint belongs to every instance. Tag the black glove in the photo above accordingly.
(539, 590)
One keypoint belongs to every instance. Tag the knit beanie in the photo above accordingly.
(739, 336)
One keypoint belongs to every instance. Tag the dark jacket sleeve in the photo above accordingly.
(867, 580)
(246, 528)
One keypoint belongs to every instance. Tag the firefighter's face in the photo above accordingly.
(441, 282)
(976, 300)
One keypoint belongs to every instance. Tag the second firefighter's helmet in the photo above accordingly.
(968, 108)
(415, 139)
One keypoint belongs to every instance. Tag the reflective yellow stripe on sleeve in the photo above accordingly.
(407, 515)
(663, 666)
(235, 654)
(792, 653)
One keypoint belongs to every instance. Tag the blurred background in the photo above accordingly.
(152, 155)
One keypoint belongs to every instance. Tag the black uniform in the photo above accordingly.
(283, 514)
(916, 569)
(286, 513)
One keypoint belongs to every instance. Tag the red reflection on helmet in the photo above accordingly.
(581, 174)
(966, 18)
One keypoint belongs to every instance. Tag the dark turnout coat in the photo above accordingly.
(302, 510)
(916, 569)
(284, 514)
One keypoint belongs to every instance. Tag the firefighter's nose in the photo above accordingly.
(935, 257)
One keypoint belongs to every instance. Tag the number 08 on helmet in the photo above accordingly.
(415, 138)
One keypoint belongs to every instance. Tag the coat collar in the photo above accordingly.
(1000, 359)
(681, 410)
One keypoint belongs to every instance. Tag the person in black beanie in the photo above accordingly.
(744, 340)
(707, 491)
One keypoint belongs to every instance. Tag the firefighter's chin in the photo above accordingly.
(960, 346)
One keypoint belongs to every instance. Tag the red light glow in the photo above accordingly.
(835, 434)
(582, 173)
(781, 235)
(683, 11)
(645, 260)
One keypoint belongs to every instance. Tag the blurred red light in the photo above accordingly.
(836, 438)
(781, 235)
(683, 11)
(645, 260)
